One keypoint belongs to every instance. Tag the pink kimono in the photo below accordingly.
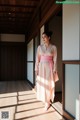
(46, 64)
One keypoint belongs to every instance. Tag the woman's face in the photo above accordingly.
(45, 38)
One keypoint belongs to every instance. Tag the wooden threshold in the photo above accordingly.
(58, 107)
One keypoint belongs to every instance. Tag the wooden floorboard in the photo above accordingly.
(19, 100)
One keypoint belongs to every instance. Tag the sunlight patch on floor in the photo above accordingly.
(8, 94)
(9, 101)
(25, 92)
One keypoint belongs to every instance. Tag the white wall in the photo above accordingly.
(30, 61)
(79, 32)
(12, 38)
(79, 105)
(30, 51)
(71, 49)
(36, 44)
(79, 92)
(30, 72)
(71, 32)
(41, 31)
(72, 89)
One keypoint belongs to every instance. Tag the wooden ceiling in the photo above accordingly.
(15, 15)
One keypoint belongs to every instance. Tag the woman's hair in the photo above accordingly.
(48, 33)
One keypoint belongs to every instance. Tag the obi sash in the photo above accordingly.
(49, 59)
(46, 58)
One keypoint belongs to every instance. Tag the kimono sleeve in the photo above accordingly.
(55, 59)
(37, 59)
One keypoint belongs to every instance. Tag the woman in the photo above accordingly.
(45, 67)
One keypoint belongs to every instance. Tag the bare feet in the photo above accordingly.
(47, 105)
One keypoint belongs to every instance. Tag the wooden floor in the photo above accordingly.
(18, 101)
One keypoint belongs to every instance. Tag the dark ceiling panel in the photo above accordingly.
(15, 15)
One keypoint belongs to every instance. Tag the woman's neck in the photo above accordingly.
(47, 44)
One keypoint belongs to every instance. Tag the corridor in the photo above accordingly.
(18, 102)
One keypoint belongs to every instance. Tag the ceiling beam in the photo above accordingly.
(33, 0)
(14, 17)
(17, 6)
(14, 28)
(15, 12)
(35, 12)
(12, 22)
(12, 31)
(38, 7)
(52, 11)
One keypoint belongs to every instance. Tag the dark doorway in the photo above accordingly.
(12, 61)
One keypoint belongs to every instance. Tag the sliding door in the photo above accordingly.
(71, 61)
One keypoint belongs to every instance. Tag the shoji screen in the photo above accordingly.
(71, 58)
(36, 43)
(41, 31)
(30, 61)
